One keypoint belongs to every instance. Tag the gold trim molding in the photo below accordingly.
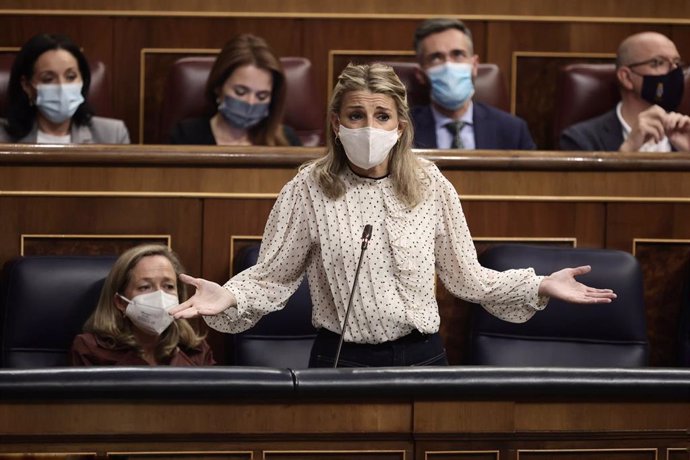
(635, 242)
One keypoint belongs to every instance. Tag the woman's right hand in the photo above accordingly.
(209, 299)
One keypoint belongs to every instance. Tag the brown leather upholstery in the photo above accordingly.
(184, 97)
(99, 92)
(584, 91)
(489, 86)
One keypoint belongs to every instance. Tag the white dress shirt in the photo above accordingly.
(444, 138)
(309, 232)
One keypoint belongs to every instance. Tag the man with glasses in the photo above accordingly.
(650, 77)
(453, 120)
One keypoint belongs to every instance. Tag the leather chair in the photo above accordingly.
(99, 91)
(184, 97)
(564, 334)
(584, 91)
(280, 339)
(489, 84)
(45, 302)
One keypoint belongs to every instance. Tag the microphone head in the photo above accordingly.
(366, 236)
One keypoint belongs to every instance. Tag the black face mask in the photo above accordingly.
(666, 91)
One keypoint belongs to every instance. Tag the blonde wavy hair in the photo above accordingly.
(405, 169)
(114, 330)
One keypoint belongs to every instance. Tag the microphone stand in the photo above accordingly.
(366, 236)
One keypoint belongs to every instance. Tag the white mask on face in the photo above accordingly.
(58, 102)
(149, 312)
(367, 147)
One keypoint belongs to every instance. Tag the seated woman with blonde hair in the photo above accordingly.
(131, 324)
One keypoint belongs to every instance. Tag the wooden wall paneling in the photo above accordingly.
(535, 96)
(179, 218)
(88, 244)
(666, 265)
(155, 66)
(608, 9)
(589, 454)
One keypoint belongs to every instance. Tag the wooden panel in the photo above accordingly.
(200, 455)
(536, 99)
(593, 454)
(665, 265)
(336, 455)
(614, 9)
(179, 218)
(461, 455)
(42, 245)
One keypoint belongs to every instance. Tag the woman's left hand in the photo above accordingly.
(563, 285)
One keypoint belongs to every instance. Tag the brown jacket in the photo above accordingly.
(87, 350)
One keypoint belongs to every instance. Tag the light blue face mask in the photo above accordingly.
(241, 114)
(451, 84)
(58, 102)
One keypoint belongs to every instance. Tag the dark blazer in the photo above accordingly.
(494, 129)
(197, 131)
(602, 133)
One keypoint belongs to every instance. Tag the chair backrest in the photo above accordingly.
(183, 97)
(280, 339)
(585, 90)
(45, 302)
(564, 334)
(489, 85)
(99, 91)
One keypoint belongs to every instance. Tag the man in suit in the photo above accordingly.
(650, 77)
(453, 120)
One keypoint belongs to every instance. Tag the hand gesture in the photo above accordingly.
(563, 285)
(209, 299)
(655, 123)
(678, 131)
(649, 126)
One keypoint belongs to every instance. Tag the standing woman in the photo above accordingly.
(247, 86)
(370, 176)
(48, 89)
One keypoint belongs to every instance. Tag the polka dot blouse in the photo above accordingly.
(309, 233)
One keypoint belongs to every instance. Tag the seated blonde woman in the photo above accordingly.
(131, 324)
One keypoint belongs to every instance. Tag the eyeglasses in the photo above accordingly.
(660, 62)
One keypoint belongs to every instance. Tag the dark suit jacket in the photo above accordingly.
(602, 133)
(493, 129)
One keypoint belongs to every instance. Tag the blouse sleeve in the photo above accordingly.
(267, 286)
(511, 295)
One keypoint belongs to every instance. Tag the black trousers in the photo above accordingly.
(414, 349)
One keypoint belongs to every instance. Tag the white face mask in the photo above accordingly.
(149, 312)
(58, 102)
(367, 147)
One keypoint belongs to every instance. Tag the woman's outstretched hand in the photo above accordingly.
(209, 299)
(563, 285)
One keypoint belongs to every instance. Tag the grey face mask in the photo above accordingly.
(241, 114)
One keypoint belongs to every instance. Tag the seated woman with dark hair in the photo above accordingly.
(247, 85)
(47, 93)
(131, 324)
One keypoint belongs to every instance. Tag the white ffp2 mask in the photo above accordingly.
(149, 312)
(367, 147)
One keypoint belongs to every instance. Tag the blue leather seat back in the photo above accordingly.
(280, 339)
(564, 334)
(45, 302)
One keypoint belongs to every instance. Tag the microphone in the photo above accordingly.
(366, 236)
